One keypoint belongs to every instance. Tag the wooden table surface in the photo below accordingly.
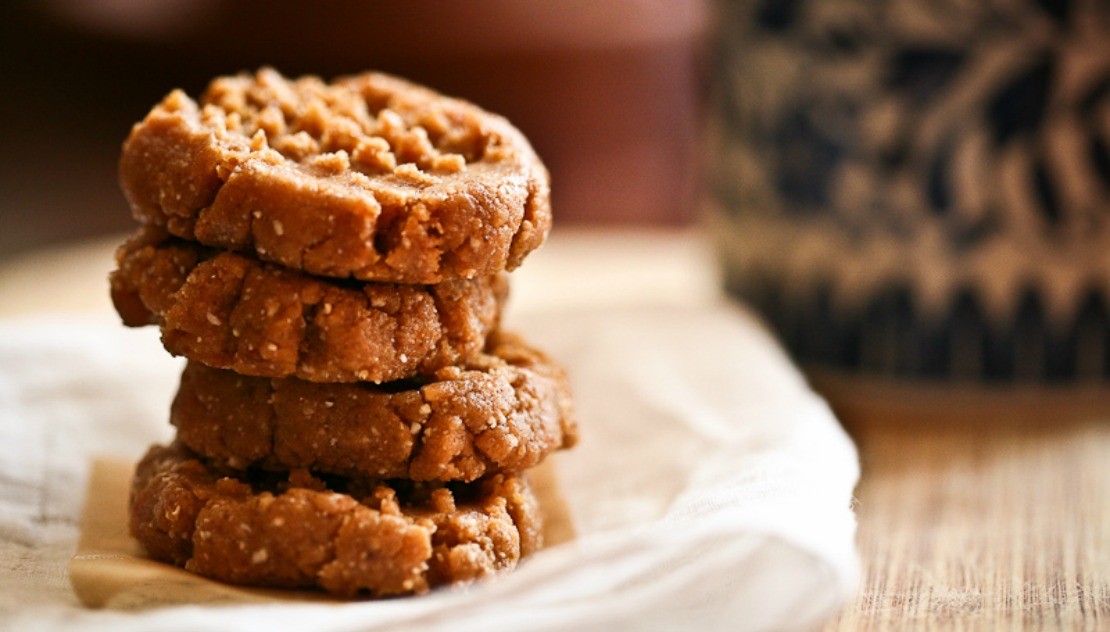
(979, 509)
(976, 510)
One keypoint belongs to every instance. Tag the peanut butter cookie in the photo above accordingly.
(231, 311)
(347, 536)
(369, 177)
(502, 412)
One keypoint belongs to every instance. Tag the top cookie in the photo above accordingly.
(369, 177)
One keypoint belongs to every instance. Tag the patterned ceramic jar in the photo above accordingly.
(920, 187)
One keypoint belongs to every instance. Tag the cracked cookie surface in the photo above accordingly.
(231, 311)
(501, 412)
(369, 177)
(348, 537)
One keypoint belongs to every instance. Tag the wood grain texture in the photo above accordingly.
(979, 509)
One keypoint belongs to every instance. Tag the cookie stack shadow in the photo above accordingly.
(331, 259)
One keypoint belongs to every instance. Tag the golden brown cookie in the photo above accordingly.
(348, 537)
(369, 177)
(234, 312)
(502, 412)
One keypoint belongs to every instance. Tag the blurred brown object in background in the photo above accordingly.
(609, 92)
(919, 190)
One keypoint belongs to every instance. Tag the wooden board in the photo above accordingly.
(110, 570)
(979, 509)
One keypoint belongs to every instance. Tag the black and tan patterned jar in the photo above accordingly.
(919, 188)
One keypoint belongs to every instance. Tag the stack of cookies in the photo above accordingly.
(330, 258)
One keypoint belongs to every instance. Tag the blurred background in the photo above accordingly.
(919, 189)
(608, 92)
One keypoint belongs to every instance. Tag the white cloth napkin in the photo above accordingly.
(711, 489)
